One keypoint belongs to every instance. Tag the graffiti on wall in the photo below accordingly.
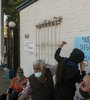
(83, 43)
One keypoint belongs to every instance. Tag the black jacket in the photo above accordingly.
(71, 76)
(42, 91)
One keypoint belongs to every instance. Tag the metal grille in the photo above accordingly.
(47, 39)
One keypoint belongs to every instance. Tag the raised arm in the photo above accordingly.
(57, 56)
(82, 67)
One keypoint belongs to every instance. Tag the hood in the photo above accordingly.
(76, 56)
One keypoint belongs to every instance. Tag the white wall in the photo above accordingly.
(75, 22)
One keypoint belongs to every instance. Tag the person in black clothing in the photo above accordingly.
(41, 82)
(67, 73)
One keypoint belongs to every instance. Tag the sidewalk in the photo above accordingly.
(4, 83)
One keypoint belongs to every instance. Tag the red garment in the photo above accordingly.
(17, 85)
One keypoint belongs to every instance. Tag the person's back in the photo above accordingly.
(66, 91)
(67, 74)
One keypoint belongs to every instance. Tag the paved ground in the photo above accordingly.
(4, 83)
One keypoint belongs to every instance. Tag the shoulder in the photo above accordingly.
(72, 70)
(48, 72)
(14, 79)
(48, 69)
(31, 77)
(25, 78)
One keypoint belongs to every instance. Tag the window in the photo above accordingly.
(48, 39)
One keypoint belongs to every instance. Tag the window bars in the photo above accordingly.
(47, 39)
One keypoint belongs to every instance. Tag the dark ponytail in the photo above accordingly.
(59, 72)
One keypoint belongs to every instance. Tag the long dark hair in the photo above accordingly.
(59, 72)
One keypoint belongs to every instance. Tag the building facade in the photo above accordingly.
(44, 24)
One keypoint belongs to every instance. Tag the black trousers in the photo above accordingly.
(14, 96)
(3, 97)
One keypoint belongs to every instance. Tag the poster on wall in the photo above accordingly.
(83, 43)
(29, 46)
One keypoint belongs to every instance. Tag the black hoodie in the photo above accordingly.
(71, 75)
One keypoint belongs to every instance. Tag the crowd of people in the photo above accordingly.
(42, 86)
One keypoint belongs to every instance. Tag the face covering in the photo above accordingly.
(19, 77)
(86, 95)
(38, 74)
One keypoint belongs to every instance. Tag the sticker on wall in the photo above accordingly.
(83, 43)
(26, 36)
(29, 46)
